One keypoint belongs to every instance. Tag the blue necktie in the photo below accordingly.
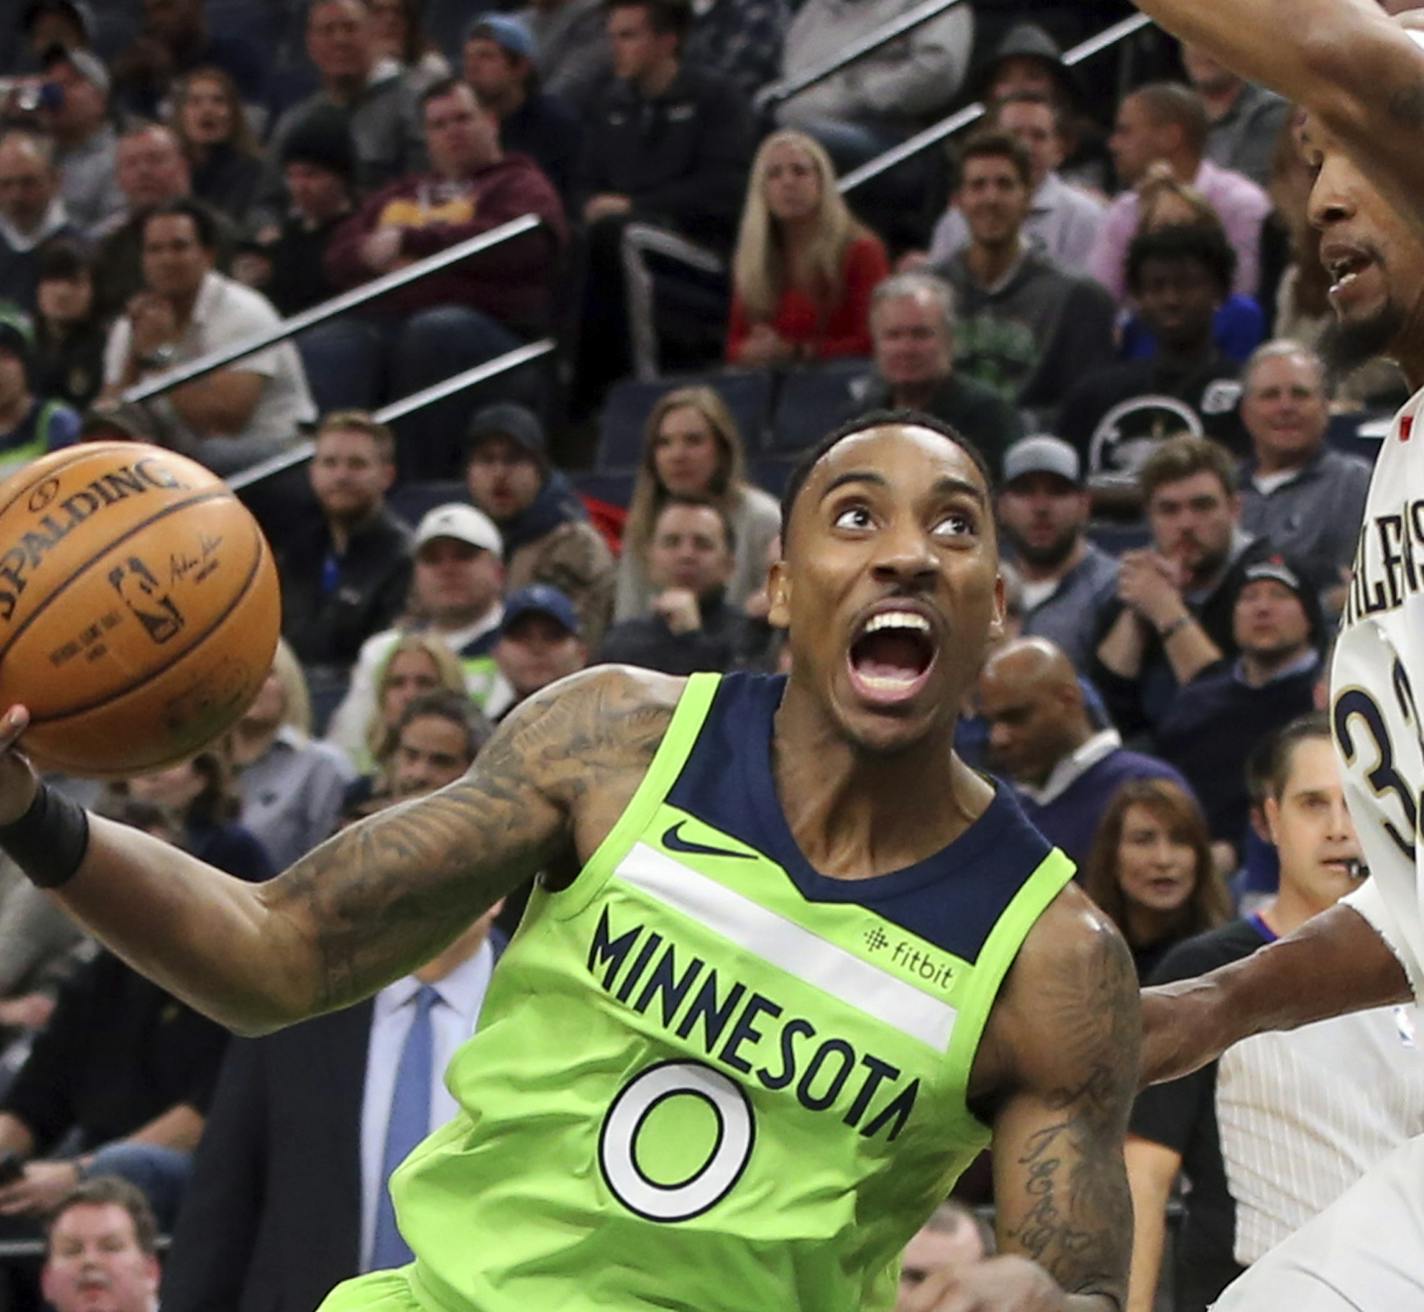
(409, 1123)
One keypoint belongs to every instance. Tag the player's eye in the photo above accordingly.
(957, 524)
(853, 517)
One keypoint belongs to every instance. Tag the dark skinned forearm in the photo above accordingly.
(1059, 1177)
(1334, 964)
(381, 898)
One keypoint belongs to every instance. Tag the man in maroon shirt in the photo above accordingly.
(471, 311)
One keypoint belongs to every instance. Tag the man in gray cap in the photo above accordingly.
(499, 61)
(1043, 512)
(546, 533)
(85, 142)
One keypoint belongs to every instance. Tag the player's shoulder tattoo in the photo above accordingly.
(383, 896)
(566, 739)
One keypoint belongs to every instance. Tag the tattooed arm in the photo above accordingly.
(382, 897)
(1055, 1077)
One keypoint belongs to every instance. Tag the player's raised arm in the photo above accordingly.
(1058, 1063)
(1335, 963)
(380, 898)
(1348, 62)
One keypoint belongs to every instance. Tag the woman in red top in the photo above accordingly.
(804, 268)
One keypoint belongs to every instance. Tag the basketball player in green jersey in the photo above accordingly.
(789, 966)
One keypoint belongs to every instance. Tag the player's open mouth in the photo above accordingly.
(1344, 264)
(891, 657)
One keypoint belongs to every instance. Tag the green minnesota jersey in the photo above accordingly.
(707, 1077)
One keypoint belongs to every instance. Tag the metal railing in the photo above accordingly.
(337, 305)
(963, 118)
(501, 364)
(777, 93)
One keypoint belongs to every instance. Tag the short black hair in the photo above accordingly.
(1205, 245)
(445, 86)
(64, 259)
(664, 16)
(729, 532)
(1315, 724)
(204, 224)
(863, 423)
(998, 143)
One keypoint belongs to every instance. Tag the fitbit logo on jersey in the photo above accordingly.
(913, 960)
(918, 962)
(64, 517)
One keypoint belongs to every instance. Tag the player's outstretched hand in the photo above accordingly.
(17, 778)
(998, 1284)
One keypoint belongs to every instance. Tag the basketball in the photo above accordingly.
(139, 607)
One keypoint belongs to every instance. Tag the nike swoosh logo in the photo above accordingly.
(674, 842)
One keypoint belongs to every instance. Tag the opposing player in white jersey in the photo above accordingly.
(1360, 75)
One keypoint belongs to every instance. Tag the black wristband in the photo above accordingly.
(49, 841)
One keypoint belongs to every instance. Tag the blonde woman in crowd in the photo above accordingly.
(691, 448)
(804, 268)
(418, 663)
(291, 784)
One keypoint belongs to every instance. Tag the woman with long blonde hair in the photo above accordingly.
(804, 268)
(691, 448)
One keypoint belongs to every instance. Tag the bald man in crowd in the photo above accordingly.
(1064, 768)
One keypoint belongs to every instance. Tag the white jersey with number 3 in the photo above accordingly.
(1377, 689)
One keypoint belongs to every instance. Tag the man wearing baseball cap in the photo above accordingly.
(539, 640)
(1043, 512)
(498, 58)
(456, 589)
(1216, 719)
(86, 145)
(546, 533)
(30, 426)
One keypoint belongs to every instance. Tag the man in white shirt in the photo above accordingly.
(237, 415)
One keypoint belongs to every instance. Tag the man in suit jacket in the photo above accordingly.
(283, 1197)
(280, 1205)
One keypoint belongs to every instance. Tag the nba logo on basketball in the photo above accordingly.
(153, 609)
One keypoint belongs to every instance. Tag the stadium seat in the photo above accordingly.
(410, 501)
(614, 486)
(626, 409)
(771, 472)
(812, 402)
(342, 358)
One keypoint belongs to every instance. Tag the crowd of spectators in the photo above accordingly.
(1118, 301)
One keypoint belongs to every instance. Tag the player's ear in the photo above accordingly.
(1272, 811)
(996, 620)
(778, 589)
